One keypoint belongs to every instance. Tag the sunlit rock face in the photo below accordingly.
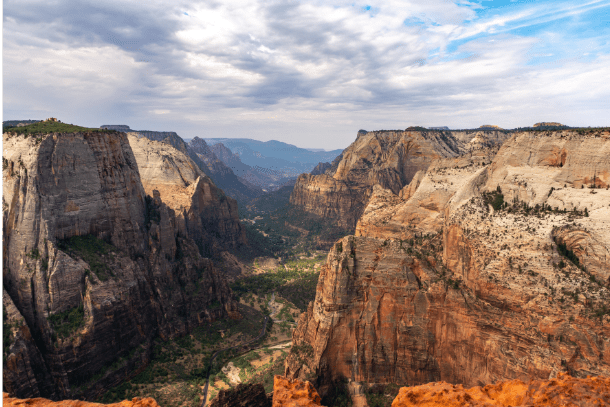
(203, 212)
(474, 274)
(562, 391)
(93, 269)
(389, 159)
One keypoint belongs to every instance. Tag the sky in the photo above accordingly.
(309, 73)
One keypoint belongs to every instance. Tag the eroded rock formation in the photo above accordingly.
(93, 270)
(559, 392)
(294, 393)
(203, 212)
(488, 269)
(389, 159)
(8, 401)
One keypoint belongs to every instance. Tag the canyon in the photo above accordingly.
(97, 264)
(491, 264)
(468, 257)
(389, 159)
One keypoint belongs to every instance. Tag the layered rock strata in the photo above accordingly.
(389, 159)
(487, 270)
(199, 152)
(203, 212)
(226, 176)
(93, 270)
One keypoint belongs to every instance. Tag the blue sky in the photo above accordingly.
(310, 73)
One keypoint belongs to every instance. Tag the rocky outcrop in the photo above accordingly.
(320, 168)
(489, 269)
(93, 269)
(559, 392)
(294, 393)
(389, 159)
(203, 212)
(246, 395)
(199, 152)
(41, 402)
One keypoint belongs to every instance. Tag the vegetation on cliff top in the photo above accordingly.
(47, 127)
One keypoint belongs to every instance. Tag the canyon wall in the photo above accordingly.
(493, 265)
(203, 212)
(93, 269)
(389, 159)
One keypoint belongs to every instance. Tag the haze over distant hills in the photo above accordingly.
(275, 155)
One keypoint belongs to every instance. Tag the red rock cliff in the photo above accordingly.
(456, 284)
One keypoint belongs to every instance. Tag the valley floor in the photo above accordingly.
(176, 374)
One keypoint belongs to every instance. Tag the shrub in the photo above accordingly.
(67, 322)
(92, 250)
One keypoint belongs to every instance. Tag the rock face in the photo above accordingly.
(40, 402)
(225, 176)
(259, 177)
(320, 168)
(389, 159)
(203, 212)
(294, 393)
(93, 269)
(559, 392)
(198, 151)
(488, 268)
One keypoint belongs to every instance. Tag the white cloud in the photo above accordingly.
(295, 68)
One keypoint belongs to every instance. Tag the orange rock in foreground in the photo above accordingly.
(564, 391)
(40, 402)
(294, 393)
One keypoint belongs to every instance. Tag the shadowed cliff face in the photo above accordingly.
(93, 269)
(461, 277)
(203, 212)
(389, 159)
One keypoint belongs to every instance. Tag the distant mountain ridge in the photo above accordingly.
(275, 155)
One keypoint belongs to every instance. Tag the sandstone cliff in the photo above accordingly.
(203, 212)
(389, 159)
(199, 152)
(93, 269)
(320, 168)
(294, 393)
(226, 177)
(487, 268)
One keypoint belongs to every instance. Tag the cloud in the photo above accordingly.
(315, 67)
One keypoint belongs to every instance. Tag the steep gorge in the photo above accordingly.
(460, 276)
(94, 269)
(389, 159)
